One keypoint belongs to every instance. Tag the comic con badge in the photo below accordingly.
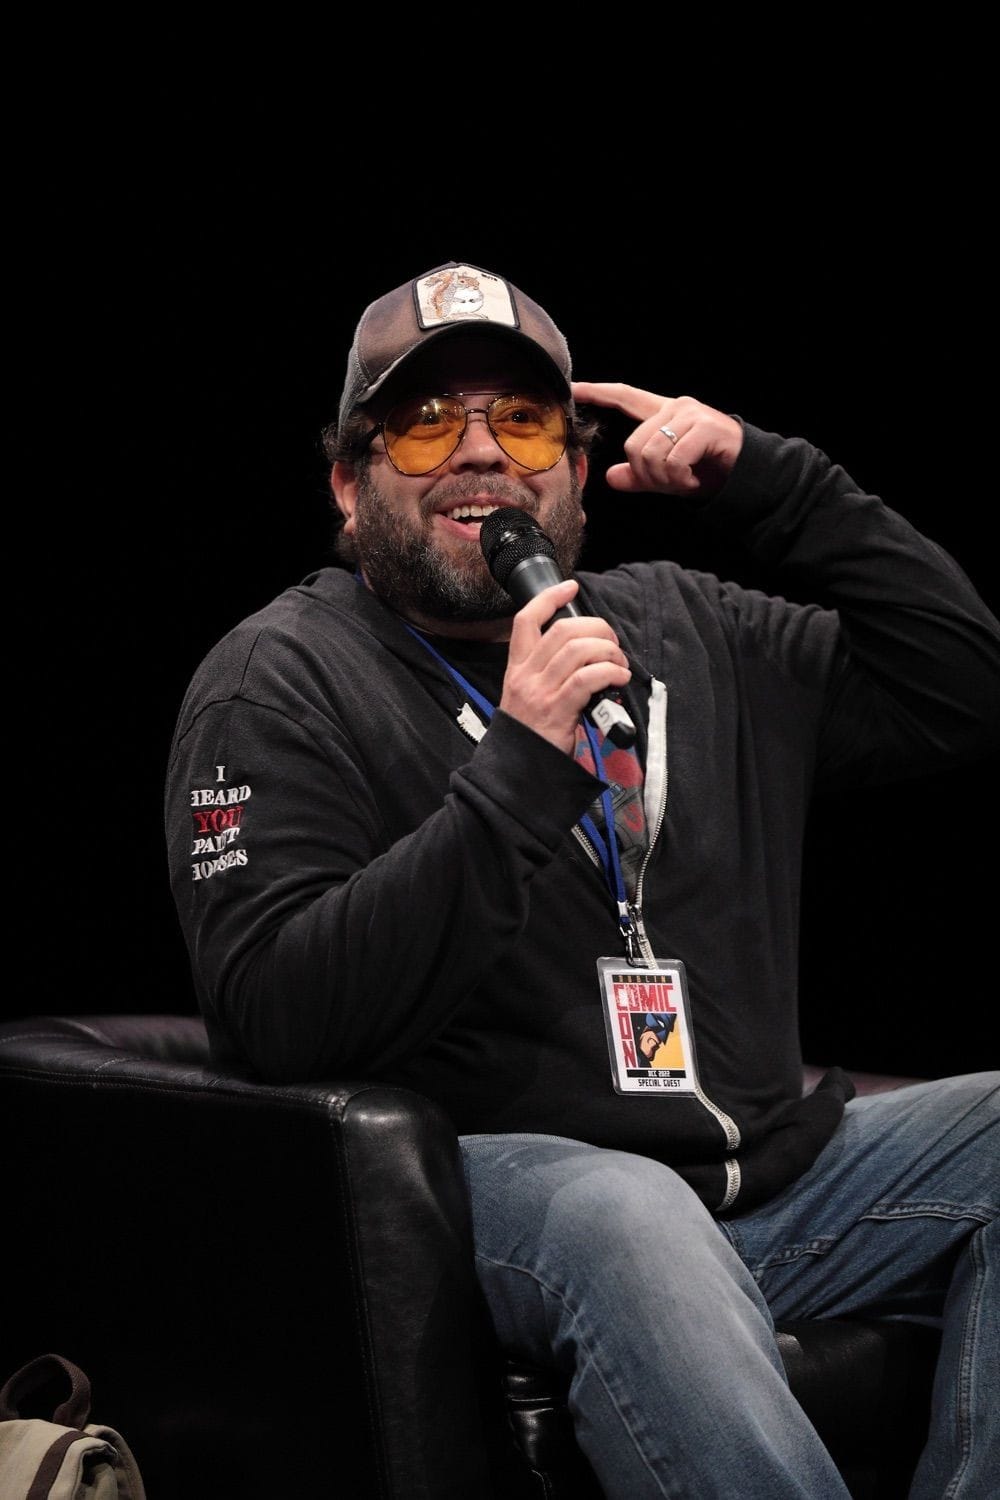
(646, 1015)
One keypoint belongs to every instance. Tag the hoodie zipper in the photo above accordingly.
(631, 922)
(637, 945)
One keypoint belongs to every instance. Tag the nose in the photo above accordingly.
(478, 449)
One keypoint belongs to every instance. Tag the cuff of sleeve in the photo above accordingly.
(768, 467)
(534, 781)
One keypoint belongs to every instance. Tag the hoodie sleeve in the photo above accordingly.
(915, 683)
(298, 898)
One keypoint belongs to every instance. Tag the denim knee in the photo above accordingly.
(587, 1222)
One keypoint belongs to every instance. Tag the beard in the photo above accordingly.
(420, 581)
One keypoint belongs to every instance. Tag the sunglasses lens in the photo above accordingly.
(530, 429)
(421, 434)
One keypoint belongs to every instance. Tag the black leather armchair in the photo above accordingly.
(272, 1290)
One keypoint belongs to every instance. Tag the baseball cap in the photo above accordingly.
(450, 298)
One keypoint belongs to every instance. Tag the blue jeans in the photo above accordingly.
(663, 1317)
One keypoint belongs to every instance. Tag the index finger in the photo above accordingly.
(542, 606)
(630, 399)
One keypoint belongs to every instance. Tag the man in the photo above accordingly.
(655, 1035)
(425, 863)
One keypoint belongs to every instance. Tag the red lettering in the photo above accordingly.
(218, 820)
(655, 996)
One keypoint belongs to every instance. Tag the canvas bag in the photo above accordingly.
(61, 1456)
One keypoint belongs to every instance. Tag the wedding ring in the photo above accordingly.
(670, 433)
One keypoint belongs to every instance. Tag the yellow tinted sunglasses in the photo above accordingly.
(422, 433)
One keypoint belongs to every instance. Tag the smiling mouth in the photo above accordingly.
(469, 513)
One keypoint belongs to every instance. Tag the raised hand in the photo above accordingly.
(680, 447)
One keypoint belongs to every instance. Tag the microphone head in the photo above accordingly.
(507, 536)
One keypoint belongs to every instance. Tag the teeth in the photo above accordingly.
(470, 512)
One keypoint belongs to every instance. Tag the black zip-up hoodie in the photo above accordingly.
(367, 890)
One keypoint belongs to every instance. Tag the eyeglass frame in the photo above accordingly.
(469, 411)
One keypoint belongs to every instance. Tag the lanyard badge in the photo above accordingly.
(646, 1015)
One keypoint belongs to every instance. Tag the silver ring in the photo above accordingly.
(670, 433)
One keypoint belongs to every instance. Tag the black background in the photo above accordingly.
(190, 258)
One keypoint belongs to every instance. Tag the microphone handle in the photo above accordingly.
(524, 582)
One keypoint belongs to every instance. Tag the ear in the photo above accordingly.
(582, 468)
(344, 485)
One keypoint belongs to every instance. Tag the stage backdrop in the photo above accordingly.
(187, 326)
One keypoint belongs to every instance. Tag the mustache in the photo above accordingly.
(474, 486)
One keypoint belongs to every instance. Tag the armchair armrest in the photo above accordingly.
(268, 1284)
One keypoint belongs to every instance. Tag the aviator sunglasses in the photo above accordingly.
(422, 433)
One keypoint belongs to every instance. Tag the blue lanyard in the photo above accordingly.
(607, 852)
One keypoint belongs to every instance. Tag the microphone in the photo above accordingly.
(523, 561)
